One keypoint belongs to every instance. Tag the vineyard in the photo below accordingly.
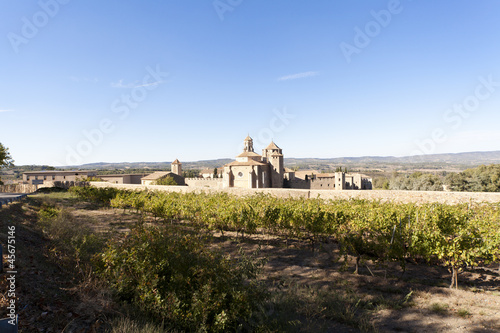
(455, 236)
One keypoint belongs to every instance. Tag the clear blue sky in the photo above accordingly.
(322, 78)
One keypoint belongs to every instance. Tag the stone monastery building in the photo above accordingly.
(251, 170)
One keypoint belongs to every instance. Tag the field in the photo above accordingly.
(305, 272)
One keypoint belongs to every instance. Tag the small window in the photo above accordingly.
(53, 177)
(64, 177)
(28, 178)
(44, 177)
(36, 177)
(240, 174)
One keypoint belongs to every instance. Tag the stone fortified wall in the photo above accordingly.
(382, 195)
(204, 182)
(18, 188)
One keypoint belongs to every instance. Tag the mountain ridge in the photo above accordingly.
(459, 160)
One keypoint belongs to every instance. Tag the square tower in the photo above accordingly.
(176, 167)
(274, 156)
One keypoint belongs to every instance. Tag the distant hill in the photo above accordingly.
(150, 165)
(435, 162)
(458, 161)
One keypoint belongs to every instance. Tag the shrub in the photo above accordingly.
(46, 213)
(71, 237)
(176, 278)
(166, 181)
(102, 196)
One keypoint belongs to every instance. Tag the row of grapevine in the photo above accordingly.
(452, 235)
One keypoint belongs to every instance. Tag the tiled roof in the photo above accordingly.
(272, 145)
(157, 175)
(123, 174)
(176, 162)
(250, 162)
(58, 172)
(249, 154)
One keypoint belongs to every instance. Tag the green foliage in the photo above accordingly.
(380, 182)
(127, 325)
(439, 308)
(416, 181)
(485, 178)
(6, 160)
(454, 236)
(464, 313)
(46, 213)
(190, 173)
(172, 274)
(71, 237)
(101, 196)
(166, 181)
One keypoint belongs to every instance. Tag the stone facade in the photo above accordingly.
(209, 173)
(41, 177)
(176, 174)
(418, 197)
(251, 170)
(204, 182)
(155, 176)
(18, 188)
(123, 178)
(332, 181)
(176, 167)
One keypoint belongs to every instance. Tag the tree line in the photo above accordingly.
(484, 178)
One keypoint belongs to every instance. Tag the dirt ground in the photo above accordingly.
(55, 298)
(474, 307)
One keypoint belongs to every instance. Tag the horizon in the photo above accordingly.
(228, 158)
(167, 80)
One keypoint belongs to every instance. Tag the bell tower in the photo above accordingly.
(248, 144)
(176, 167)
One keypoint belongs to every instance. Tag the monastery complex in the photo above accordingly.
(249, 170)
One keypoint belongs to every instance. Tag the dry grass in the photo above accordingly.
(439, 308)
(309, 292)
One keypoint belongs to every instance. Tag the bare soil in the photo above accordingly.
(55, 298)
